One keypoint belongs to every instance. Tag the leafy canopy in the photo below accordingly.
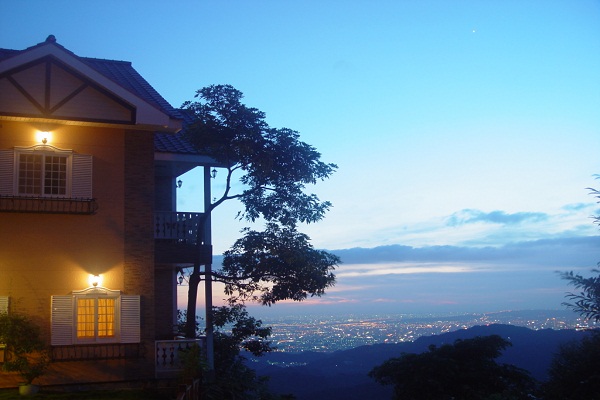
(575, 372)
(464, 370)
(236, 333)
(276, 264)
(274, 164)
(586, 302)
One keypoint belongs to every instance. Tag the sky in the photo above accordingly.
(466, 132)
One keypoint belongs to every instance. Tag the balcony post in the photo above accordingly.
(208, 274)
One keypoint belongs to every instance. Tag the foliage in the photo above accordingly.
(127, 394)
(236, 331)
(245, 332)
(275, 166)
(279, 264)
(587, 302)
(268, 171)
(575, 371)
(26, 352)
(465, 370)
(193, 362)
(180, 326)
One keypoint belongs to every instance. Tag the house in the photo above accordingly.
(90, 240)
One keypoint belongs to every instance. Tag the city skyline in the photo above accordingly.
(466, 133)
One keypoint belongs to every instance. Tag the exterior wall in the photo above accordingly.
(53, 254)
(166, 298)
(164, 196)
(42, 255)
(139, 234)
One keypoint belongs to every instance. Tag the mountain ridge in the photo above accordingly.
(343, 374)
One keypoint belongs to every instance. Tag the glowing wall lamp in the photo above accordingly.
(43, 136)
(95, 280)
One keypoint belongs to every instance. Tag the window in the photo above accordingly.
(45, 171)
(3, 304)
(95, 315)
(42, 175)
(95, 318)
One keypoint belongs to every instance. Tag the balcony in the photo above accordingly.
(169, 353)
(175, 238)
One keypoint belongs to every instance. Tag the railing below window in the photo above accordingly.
(96, 352)
(168, 355)
(47, 205)
(177, 226)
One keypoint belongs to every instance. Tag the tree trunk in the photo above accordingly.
(190, 323)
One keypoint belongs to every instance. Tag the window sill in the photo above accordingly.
(48, 205)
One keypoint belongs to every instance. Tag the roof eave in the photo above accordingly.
(147, 115)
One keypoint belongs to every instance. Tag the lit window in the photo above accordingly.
(95, 315)
(3, 304)
(95, 318)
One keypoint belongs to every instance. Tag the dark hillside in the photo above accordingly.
(343, 374)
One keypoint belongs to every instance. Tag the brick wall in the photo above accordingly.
(166, 295)
(139, 235)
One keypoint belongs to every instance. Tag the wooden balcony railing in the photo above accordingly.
(177, 226)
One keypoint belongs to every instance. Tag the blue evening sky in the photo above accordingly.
(466, 132)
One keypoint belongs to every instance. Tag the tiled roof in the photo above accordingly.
(120, 72)
(169, 143)
(123, 73)
(176, 143)
(6, 53)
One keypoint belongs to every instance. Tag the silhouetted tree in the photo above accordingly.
(465, 370)
(236, 331)
(276, 264)
(575, 371)
(272, 168)
(586, 302)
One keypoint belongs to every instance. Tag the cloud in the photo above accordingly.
(552, 253)
(469, 216)
(578, 206)
(363, 270)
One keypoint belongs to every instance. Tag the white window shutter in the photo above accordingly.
(3, 304)
(130, 319)
(7, 172)
(62, 320)
(81, 176)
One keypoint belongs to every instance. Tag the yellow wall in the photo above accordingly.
(53, 254)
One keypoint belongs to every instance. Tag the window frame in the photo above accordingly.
(115, 337)
(44, 152)
(4, 304)
(79, 179)
(64, 318)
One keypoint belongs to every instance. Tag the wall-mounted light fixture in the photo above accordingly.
(95, 280)
(43, 136)
(213, 173)
(179, 184)
(180, 277)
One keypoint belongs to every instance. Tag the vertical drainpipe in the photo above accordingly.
(208, 275)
